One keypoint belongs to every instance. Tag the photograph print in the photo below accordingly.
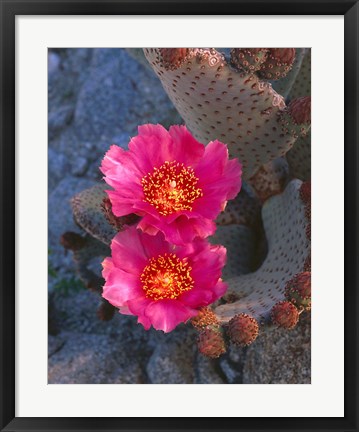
(179, 214)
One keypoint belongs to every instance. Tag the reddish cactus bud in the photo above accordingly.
(285, 314)
(248, 59)
(243, 329)
(300, 110)
(206, 317)
(283, 55)
(72, 241)
(106, 311)
(172, 58)
(278, 63)
(298, 290)
(211, 342)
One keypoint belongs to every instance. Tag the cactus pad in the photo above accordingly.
(285, 226)
(218, 102)
(299, 158)
(240, 242)
(302, 83)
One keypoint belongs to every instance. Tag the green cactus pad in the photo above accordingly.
(88, 213)
(299, 158)
(218, 102)
(285, 226)
(248, 59)
(302, 83)
(284, 86)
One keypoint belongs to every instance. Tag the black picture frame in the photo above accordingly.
(9, 10)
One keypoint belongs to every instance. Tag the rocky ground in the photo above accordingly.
(98, 97)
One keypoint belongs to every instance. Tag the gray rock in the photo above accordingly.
(280, 356)
(231, 372)
(59, 119)
(55, 343)
(93, 359)
(232, 363)
(58, 167)
(79, 166)
(53, 62)
(118, 95)
(207, 371)
(66, 80)
(173, 359)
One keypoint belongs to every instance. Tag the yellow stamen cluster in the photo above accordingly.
(171, 188)
(166, 277)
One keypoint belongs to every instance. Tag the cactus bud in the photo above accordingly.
(172, 58)
(300, 110)
(243, 329)
(206, 317)
(211, 343)
(248, 59)
(278, 63)
(298, 290)
(72, 241)
(285, 314)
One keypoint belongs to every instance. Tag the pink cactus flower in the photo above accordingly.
(161, 283)
(175, 183)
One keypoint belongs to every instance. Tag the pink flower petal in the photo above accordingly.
(197, 298)
(219, 290)
(132, 250)
(128, 253)
(121, 287)
(181, 231)
(167, 314)
(138, 305)
(188, 150)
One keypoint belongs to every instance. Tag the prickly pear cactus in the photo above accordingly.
(255, 100)
(218, 101)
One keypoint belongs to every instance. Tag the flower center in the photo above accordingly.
(166, 277)
(171, 187)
